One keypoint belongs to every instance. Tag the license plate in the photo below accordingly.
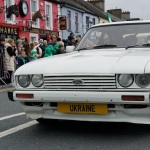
(82, 108)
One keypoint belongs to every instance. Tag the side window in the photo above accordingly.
(93, 21)
(69, 19)
(33, 37)
(48, 15)
(87, 22)
(34, 8)
(76, 22)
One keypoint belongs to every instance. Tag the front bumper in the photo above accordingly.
(81, 97)
(116, 114)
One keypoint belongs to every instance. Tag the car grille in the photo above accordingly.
(80, 82)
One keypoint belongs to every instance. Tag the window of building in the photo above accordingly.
(87, 22)
(12, 17)
(34, 8)
(93, 21)
(48, 14)
(33, 37)
(69, 19)
(76, 22)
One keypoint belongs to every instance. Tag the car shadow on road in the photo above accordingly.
(95, 128)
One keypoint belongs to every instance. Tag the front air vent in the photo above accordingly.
(80, 83)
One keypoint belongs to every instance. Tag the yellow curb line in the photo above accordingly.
(6, 89)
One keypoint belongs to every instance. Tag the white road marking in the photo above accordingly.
(17, 128)
(11, 116)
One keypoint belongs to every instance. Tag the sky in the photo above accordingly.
(137, 8)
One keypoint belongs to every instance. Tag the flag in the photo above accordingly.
(108, 17)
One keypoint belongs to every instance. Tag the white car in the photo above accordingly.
(105, 79)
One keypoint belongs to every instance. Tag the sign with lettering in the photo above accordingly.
(82, 108)
(62, 23)
(7, 30)
(40, 31)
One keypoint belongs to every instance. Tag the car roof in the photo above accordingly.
(121, 23)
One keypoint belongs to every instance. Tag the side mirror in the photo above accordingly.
(70, 49)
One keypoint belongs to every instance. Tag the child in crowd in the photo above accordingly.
(22, 59)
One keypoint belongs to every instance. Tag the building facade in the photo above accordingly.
(78, 18)
(17, 19)
(74, 21)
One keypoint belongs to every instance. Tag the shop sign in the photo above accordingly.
(40, 31)
(62, 23)
(7, 30)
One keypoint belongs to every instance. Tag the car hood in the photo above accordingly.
(107, 61)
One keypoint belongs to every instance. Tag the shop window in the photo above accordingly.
(76, 22)
(48, 7)
(8, 32)
(69, 19)
(12, 17)
(33, 37)
(34, 8)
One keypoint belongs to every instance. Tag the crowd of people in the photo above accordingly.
(13, 55)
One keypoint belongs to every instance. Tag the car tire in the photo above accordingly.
(46, 121)
(41, 120)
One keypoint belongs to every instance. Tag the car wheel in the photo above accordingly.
(46, 121)
(41, 120)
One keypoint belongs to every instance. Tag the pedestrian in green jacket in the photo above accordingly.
(56, 48)
(49, 51)
(55, 45)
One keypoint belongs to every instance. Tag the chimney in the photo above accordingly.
(98, 3)
(116, 12)
(126, 15)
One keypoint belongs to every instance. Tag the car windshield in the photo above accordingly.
(112, 36)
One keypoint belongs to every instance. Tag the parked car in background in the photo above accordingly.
(106, 78)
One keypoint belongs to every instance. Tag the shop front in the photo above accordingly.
(9, 32)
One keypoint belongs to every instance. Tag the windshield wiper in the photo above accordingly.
(99, 46)
(132, 46)
(86, 48)
(144, 45)
(105, 46)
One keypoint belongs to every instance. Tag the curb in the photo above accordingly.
(7, 89)
(6, 86)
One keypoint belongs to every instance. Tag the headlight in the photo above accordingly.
(142, 80)
(24, 80)
(37, 80)
(125, 80)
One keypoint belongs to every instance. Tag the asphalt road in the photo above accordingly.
(66, 135)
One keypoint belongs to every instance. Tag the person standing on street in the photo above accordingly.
(55, 45)
(72, 42)
(41, 42)
(2, 63)
(48, 50)
(9, 59)
(70, 37)
(78, 39)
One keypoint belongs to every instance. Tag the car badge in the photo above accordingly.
(77, 81)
